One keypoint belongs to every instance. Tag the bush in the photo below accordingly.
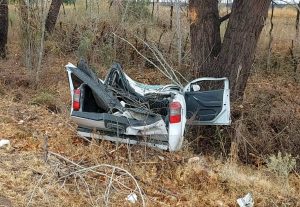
(137, 10)
(85, 45)
(282, 165)
(46, 99)
(69, 1)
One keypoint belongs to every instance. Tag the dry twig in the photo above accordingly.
(112, 178)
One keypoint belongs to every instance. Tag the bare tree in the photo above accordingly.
(294, 46)
(171, 15)
(52, 15)
(32, 24)
(270, 38)
(234, 57)
(297, 20)
(152, 12)
(42, 39)
(178, 31)
(3, 27)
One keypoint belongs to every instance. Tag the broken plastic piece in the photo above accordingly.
(196, 87)
(4, 142)
(132, 198)
(246, 201)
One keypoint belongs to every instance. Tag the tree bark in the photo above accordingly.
(238, 50)
(234, 57)
(205, 35)
(52, 15)
(3, 27)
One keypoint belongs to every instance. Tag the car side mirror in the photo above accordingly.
(196, 87)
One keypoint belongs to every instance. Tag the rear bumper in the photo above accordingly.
(127, 140)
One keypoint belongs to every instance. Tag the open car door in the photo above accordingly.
(208, 101)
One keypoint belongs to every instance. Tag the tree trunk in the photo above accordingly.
(205, 35)
(171, 16)
(52, 15)
(234, 58)
(270, 37)
(297, 21)
(238, 50)
(153, 6)
(3, 27)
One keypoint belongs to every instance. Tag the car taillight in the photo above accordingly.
(175, 112)
(76, 99)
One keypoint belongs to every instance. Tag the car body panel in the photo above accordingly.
(124, 140)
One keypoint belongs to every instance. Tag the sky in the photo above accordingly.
(224, 1)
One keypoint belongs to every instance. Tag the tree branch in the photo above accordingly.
(224, 18)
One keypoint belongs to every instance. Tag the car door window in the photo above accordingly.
(207, 101)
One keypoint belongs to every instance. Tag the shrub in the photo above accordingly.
(281, 164)
(85, 45)
(69, 1)
(137, 10)
(46, 99)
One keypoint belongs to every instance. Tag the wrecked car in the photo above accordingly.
(122, 110)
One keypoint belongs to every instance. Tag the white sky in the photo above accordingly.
(224, 1)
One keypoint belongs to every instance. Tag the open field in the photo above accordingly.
(222, 169)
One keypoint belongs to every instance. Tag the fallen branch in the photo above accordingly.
(34, 189)
(93, 169)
